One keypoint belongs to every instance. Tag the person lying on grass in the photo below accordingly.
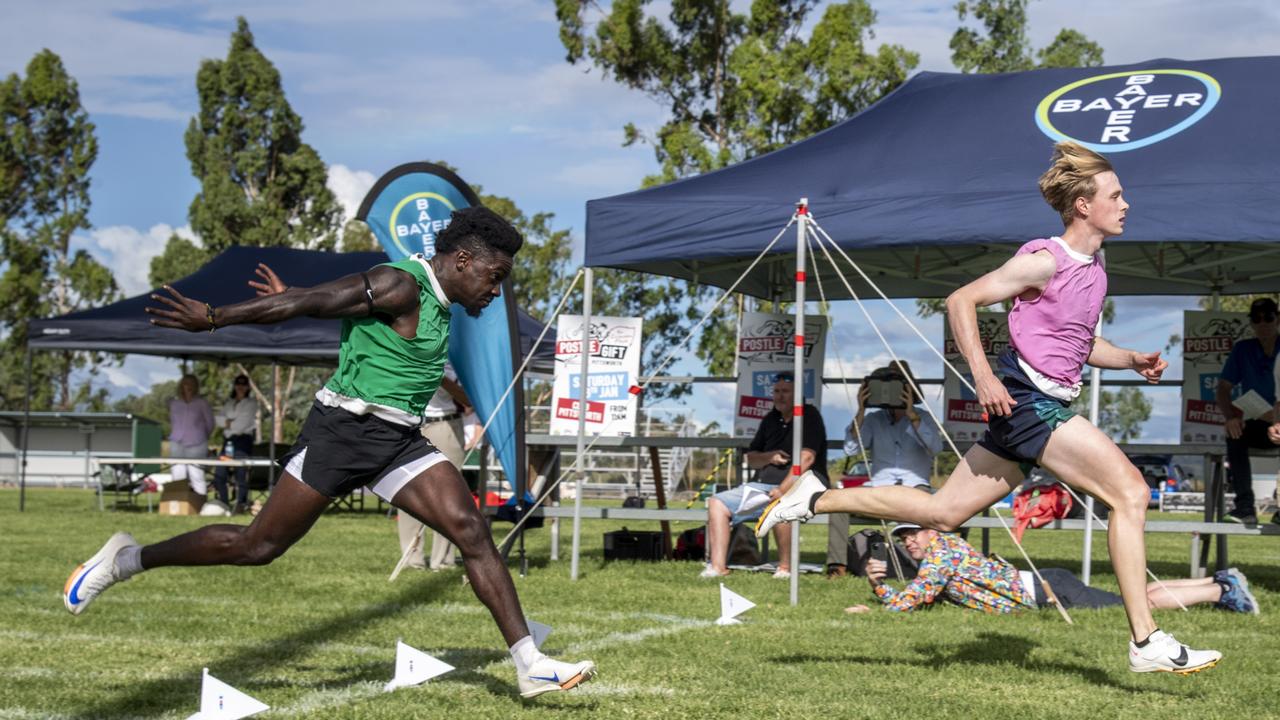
(952, 570)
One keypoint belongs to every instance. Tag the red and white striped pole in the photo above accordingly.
(797, 412)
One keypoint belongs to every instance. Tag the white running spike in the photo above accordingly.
(539, 632)
(731, 606)
(414, 667)
(220, 701)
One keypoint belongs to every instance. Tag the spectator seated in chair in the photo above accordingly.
(770, 455)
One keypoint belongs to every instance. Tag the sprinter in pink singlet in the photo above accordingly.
(1057, 286)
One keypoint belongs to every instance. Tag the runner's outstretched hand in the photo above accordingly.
(184, 313)
(1149, 365)
(271, 283)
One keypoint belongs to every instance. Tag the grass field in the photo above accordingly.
(313, 635)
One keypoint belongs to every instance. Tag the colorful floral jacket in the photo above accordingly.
(953, 570)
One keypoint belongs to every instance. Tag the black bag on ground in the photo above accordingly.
(691, 544)
(866, 543)
(627, 544)
(743, 548)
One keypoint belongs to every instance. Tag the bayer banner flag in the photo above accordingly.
(406, 209)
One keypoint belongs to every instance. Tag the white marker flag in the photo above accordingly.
(220, 701)
(539, 632)
(414, 667)
(731, 606)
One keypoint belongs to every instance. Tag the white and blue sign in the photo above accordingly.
(602, 385)
(762, 382)
(1127, 110)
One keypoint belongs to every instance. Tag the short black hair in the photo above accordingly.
(478, 229)
(1262, 305)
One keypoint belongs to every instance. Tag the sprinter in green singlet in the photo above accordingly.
(364, 427)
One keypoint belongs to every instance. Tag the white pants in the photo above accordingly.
(447, 436)
(193, 474)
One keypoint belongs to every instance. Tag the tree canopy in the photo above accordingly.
(47, 146)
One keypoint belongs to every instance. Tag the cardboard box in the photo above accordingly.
(177, 499)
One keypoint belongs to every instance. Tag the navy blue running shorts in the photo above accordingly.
(1022, 435)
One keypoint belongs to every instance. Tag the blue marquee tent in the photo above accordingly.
(936, 184)
(123, 327)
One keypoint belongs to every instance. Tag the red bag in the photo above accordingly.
(1038, 506)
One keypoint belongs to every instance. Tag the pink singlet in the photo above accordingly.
(1054, 332)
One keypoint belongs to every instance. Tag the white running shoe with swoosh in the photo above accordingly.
(1163, 653)
(547, 675)
(95, 575)
(794, 505)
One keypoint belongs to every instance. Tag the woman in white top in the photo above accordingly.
(238, 420)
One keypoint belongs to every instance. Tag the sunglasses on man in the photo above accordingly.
(1262, 317)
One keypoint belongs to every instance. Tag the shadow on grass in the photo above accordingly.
(987, 648)
(180, 688)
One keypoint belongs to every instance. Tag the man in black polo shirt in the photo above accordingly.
(770, 455)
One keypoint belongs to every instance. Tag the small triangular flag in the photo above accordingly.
(220, 701)
(731, 606)
(539, 632)
(414, 667)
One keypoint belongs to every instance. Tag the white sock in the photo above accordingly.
(525, 654)
(129, 561)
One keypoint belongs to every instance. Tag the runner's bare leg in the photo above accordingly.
(439, 499)
(291, 510)
(981, 478)
(1082, 456)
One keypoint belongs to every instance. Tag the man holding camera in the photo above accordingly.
(899, 441)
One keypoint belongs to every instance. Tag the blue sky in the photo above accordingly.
(484, 85)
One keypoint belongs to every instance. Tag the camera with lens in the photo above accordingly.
(885, 387)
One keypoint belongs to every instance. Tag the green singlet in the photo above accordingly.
(377, 365)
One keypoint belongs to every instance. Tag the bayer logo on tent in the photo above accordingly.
(1128, 110)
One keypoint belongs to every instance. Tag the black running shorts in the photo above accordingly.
(338, 452)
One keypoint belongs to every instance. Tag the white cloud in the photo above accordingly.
(127, 251)
(350, 187)
(121, 379)
(605, 176)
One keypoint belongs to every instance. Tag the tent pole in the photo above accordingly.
(1095, 405)
(1086, 562)
(584, 349)
(26, 434)
(797, 412)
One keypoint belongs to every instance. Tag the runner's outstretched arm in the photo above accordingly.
(391, 291)
(1109, 357)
